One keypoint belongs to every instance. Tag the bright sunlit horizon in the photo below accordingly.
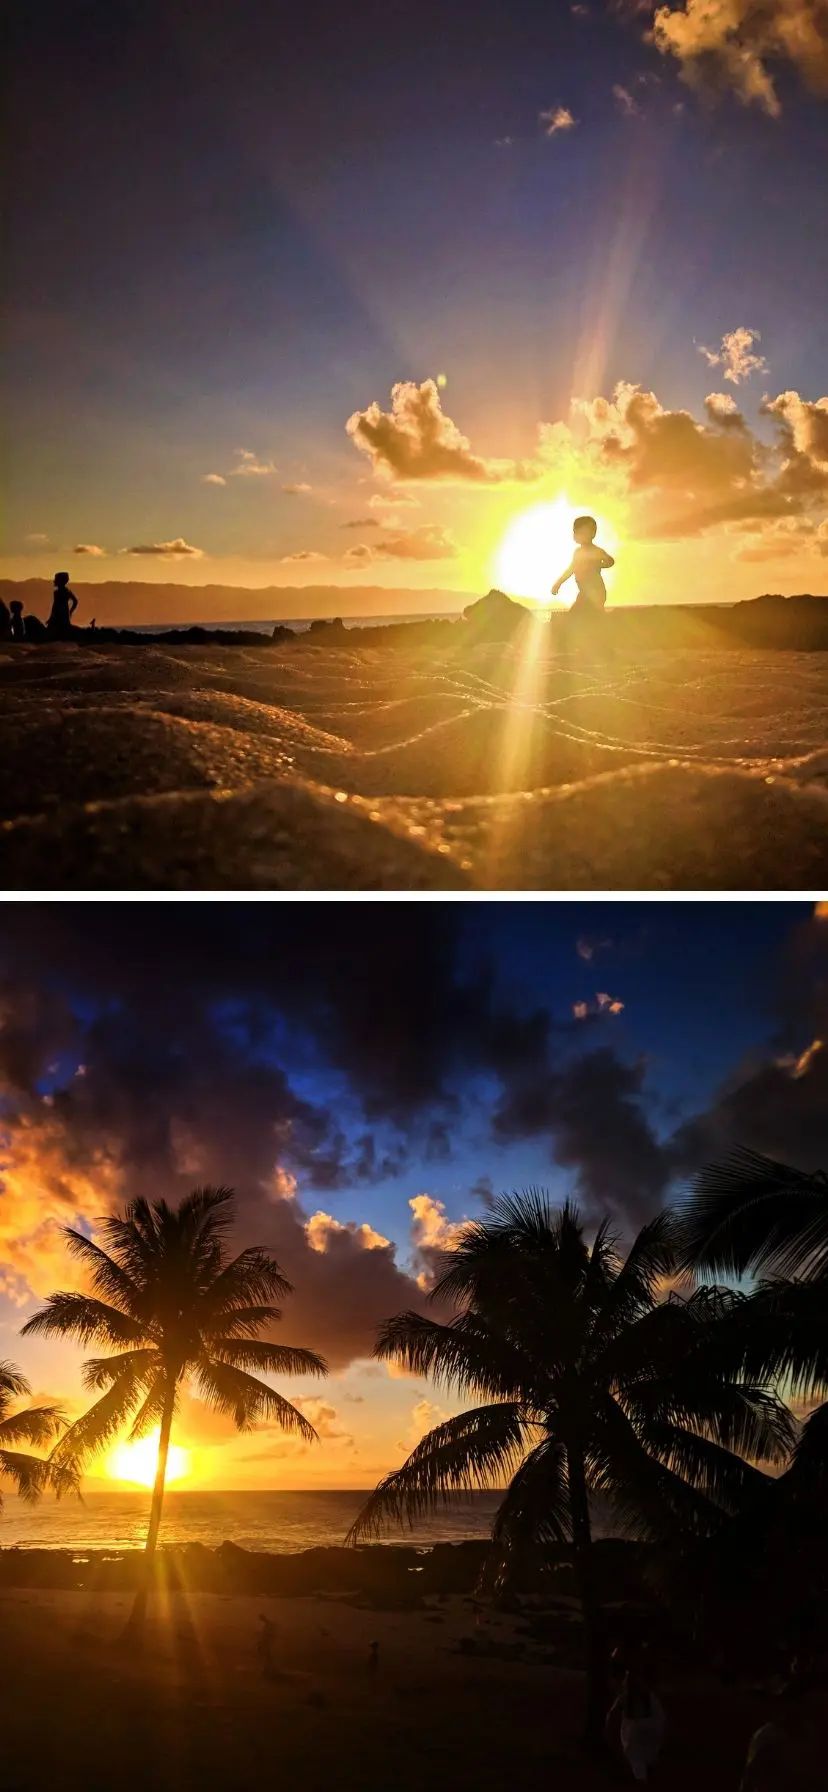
(135, 1462)
(537, 546)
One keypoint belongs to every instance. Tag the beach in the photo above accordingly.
(459, 765)
(193, 1707)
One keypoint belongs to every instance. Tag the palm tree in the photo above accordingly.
(749, 1215)
(34, 1425)
(588, 1382)
(172, 1308)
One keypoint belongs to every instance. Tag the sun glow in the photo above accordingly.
(537, 547)
(137, 1462)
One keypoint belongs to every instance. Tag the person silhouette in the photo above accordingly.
(586, 566)
(64, 604)
(5, 622)
(17, 625)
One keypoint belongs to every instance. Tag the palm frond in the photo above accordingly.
(466, 1355)
(79, 1316)
(103, 1371)
(13, 1385)
(35, 1425)
(748, 1212)
(477, 1449)
(151, 1410)
(652, 1258)
(253, 1276)
(30, 1474)
(270, 1359)
(109, 1280)
(239, 1322)
(535, 1507)
(97, 1427)
(230, 1390)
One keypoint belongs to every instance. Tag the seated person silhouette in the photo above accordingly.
(64, 604)
(586, 566)
(5, 622)
(17, 625)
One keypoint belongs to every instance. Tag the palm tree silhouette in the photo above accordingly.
(34, 1425)
(592, 1383)
(749, 1215)
(173, 1308)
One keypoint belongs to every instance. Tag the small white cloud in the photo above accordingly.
(38, 539)
(559, 118)
(213, 479)
(503, 142)
(91, 548)
(295, 491)
(303, 554)
(168, 550)
(379, 501)
(250, 467)
(736, 355)
(627, 104)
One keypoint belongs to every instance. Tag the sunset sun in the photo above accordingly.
(536, 547)
(137, 1462)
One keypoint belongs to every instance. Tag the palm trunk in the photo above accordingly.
(137, 1617)
(597, 1698)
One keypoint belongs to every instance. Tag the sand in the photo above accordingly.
(365, 767)
(194, 1711)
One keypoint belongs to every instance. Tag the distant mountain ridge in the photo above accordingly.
(126, 603)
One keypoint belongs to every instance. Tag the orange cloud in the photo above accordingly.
(91, 548)
(736, 355)
(733, 44)
(559, 118)
(428, 542)
(168, 550)
(322, 1228)
(416, 440)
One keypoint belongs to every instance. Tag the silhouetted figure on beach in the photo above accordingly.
(64, 605)
(5, 622)
(17, 625)
(586, 566)
(641, 1723)
(783, 1752)
(264, 1643)
(34, 629)
(373, 1657)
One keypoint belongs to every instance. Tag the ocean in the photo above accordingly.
(262, 626)
(282, 1522)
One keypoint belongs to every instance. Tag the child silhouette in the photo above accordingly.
(587, 564)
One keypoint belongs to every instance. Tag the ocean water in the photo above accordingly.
(282, 1522)
(261, 626)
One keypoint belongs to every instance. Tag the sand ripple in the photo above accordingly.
(310, 768)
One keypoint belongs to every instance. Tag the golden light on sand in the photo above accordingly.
(137, 1462)
(536, 547)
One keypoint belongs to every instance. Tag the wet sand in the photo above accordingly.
(364, 767)
(193, 1708)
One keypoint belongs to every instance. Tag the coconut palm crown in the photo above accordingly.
(36, 1425)
(172, 1308)
(586, 1380)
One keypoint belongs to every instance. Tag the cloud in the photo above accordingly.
(89, 547)
(734, 45)
(416, 440)
(558, 119)
(323, 1233)
(303, 554)
(250, 467)
(38, 539)
(596, 1006)
(503, 142)
(168, 550)
(213, 479)
(736, 355)
(786, 538)
(425, 1415)
(627, 104)
(588, 947)
(361, 522)
(428, 542)
(295, 491)
(381, 501)
(680, 475)
(323, 1417)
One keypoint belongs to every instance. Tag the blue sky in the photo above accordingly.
(234, 228)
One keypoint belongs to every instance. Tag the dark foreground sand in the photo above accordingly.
(194, 1711)
(361, 767)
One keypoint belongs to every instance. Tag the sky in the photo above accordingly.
(384, 295)
(368, 1085)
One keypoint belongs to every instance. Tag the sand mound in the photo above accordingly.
(306, 768)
